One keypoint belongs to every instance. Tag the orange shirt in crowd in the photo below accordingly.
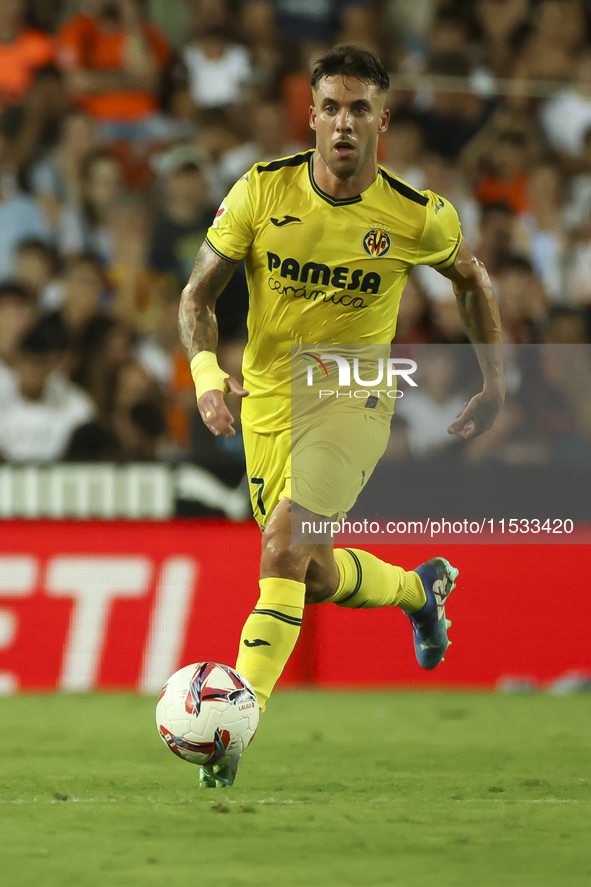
(180, 391)
(19, 59)
(511, 192)
(84, 45)
(297, 97)
(144, 289)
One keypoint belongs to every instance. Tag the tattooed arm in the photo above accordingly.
(480, 314)
(198, 331)
(198, 328)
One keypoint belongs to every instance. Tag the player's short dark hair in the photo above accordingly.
(351, 61)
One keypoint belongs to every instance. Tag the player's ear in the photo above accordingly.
(312, 117)
(384, 120)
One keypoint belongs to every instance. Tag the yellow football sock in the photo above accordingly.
(366, 582)
(270, 634)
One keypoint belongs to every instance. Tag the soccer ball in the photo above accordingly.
(207, 711)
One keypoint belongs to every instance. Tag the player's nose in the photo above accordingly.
(344, 120)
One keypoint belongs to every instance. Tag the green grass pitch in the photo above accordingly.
(339, 790)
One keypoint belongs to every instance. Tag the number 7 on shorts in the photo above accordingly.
(260, 483)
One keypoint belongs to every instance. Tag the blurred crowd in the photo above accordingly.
(123, 123)
(546, 420)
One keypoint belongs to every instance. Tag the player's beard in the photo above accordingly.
(347, 167)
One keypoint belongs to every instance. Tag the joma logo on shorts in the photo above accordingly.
(316, 272)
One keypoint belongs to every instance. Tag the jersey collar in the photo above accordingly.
(334, 201)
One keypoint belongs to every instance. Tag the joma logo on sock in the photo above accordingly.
(257, 643)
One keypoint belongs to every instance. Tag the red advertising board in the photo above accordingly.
(121, 605)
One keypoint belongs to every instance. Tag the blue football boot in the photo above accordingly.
(218, 775)
(429, 623)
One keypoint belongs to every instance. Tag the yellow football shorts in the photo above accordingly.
(322, 465)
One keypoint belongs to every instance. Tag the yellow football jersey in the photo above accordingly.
(322, 270)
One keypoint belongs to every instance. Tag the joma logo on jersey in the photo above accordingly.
(316, 272)
(376, 243)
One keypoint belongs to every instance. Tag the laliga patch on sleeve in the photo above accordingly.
(219, 215)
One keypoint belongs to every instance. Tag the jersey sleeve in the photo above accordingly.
(233, 228)
(442, 234)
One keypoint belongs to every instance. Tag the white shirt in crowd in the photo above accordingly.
(39, 431)
(20, 219)
(565, 119)
(578, 274)
(236, 161)
(428, 422)
(577, 210)
(217, 82)
(7, 384)
(546, 252)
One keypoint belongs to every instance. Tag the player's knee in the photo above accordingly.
(317, 591)
(280, 558)
(321, 577)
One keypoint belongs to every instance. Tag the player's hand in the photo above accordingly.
(479, 414)
(214, 411)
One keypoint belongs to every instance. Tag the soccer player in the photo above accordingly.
(329, 238)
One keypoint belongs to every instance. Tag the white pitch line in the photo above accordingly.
(273, 801)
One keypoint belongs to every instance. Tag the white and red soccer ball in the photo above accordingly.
(206, 712)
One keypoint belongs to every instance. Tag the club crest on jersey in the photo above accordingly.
(376, 243)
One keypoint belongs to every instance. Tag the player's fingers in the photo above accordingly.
(468, 431)
(235, 387)
(468, 415)
(218, 419)
(225, 431)
(461, 420)
(462, 413)
(221, 429)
